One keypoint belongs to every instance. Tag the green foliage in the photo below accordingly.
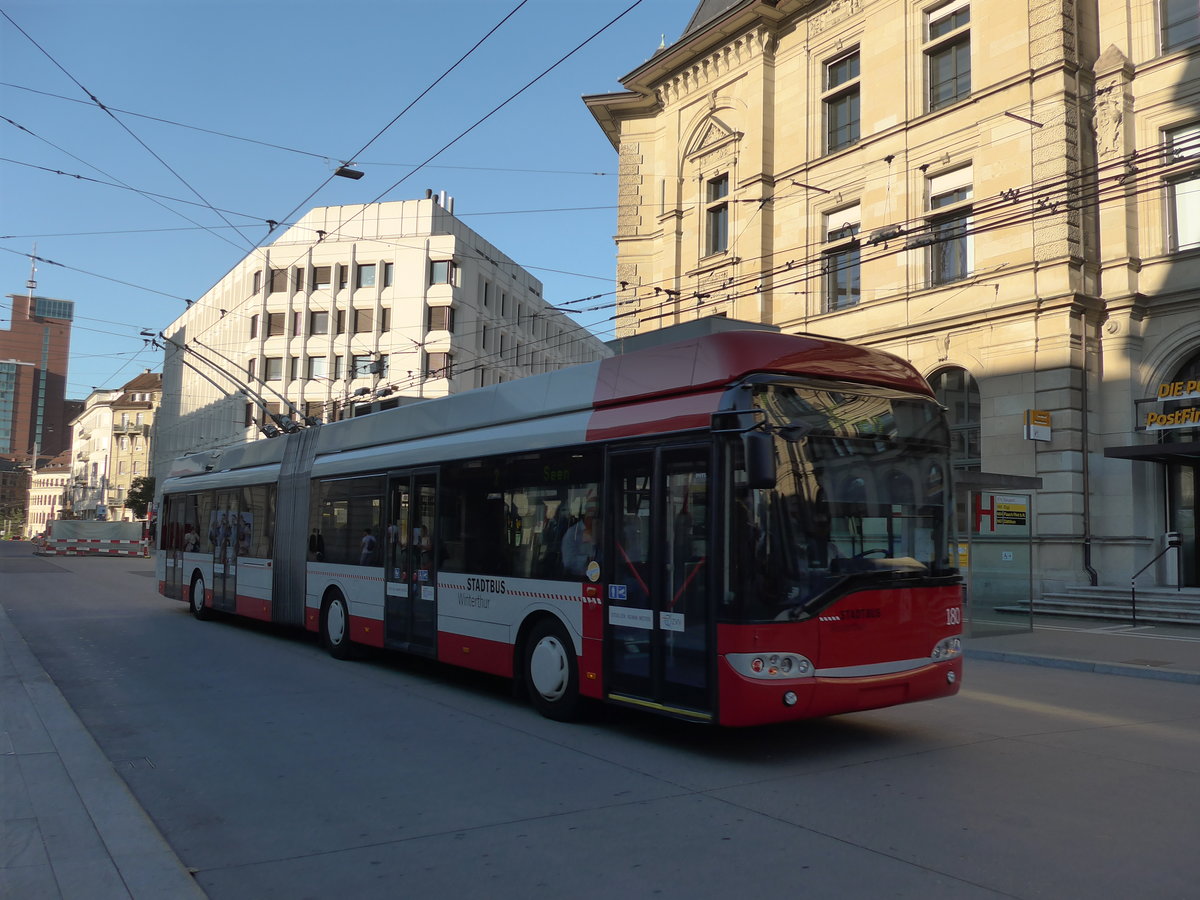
(140, 496)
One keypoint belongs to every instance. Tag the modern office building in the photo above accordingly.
(351, 310)
(34, 351)
(1007, 195)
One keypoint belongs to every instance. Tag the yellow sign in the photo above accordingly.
(1037, 424)
(1189, 417)
(1179, 390)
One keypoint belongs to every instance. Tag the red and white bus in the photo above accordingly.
(741, 528)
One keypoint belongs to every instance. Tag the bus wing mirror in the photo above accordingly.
(759, 450)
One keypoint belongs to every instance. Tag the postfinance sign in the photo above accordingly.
(1187, 417)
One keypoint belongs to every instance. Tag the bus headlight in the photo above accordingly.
(770, 665)
(946, 648)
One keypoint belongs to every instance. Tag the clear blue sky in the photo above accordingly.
(318, 80)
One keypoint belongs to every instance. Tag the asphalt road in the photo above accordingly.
(276, 771)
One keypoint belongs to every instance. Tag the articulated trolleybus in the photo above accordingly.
(740, 528)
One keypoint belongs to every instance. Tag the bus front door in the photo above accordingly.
(410, 605)
(223, 532)
(658, 611)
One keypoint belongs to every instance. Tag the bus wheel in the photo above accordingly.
(196, 597)
(335, 627)
(551, 672)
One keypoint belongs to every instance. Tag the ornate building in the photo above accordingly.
(112, 446)
(1007, 196)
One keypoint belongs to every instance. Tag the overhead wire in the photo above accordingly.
(808, 261)
(412, 103)
(327, 157)
(151, 197)
(483, 119)
(123, 126)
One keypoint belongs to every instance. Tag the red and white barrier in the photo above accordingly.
(92, 547)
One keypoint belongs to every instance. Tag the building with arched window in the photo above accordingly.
(1008, 197)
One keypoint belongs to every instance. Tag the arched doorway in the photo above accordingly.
(1183, 470)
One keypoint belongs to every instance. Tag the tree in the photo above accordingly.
(140, 496)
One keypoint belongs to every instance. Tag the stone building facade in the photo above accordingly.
(1008, 196)
(112, 445)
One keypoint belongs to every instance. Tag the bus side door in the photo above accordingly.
(410, 562)
(223, 533)
(658, 609)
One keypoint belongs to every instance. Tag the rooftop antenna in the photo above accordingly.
(31, 284)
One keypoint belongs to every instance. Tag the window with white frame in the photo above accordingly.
(840, 259)
(1182, 183)
(951, 255)
(318, 366)
(841, 101)
(1179, 23)
(948, 53)
(273, 368)
(716, 215)
(365, 276)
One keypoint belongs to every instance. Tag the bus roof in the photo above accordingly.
(596, 400)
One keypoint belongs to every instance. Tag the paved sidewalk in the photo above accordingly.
(1169, 653)
(69, 827)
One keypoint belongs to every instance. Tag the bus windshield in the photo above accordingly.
(860, 499)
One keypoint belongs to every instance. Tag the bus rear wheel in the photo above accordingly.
(335, 627)
(196, 599)
(551, 671)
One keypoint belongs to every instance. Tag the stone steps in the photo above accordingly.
(1161, 605)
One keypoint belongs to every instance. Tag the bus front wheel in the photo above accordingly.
(196, 599)
(335, 627)
(551, 671)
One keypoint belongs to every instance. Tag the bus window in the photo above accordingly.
(512, 516)
(203, 510)
(858, 495)
(347, 511)
(256, 523)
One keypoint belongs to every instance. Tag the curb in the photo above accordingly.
(1082, 665)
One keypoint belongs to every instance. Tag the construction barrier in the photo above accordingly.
(92, 547)
(89, 538)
